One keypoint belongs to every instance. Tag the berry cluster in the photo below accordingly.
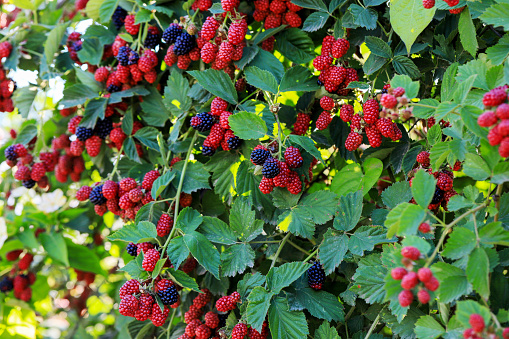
(334, 75)
(216, 121)
(431, 3)
(479, 330)
(316, 276)
(276, 13)
(7, 86)
(394, 103)
(183, 48)
(497, 118)
(19, 278)
(371, 122)
(279, 173)
(410, 279)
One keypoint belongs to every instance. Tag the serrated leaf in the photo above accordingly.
(249, 282)
(396, 194)
(296, 45)
(347, 180)
(499, 52)
(217, 83)
(366, 237)
(247, 125)
(313, 4)
(196, 177)
(298, 78)
(243, 222)
(130, 150)
(261, 79)
(52, 44)
(405, 66)
(373, 168)
(106, 10)
(282, 276)
(258, 306)
(320, 304)
(332, 250)
(467, 32)
(369, 279)
(142, 15)
(161, 183)
(427, 110)
(177, 251)
(235, 259)
(74, 95)
(217, 231)
(54, 244)
(26, 134)
(497, 15)
(438, 154)
(182, 279)
(326, 331)
(298, 222)
(404, 219)
(463, 88)
(176, 94)
(423, 188)
(411, 87)
(131, 92)
(475, 167)
(188, 220)
(409, 18)
(307, 144)
(315, 21)
(348, 211)
(373, 64)
(95, 110)
(135, 232)
(364, 17)
(204, 252)
(285, 324)
(378, 47)
(453, 282)
(459, 244)
(320, 206)
(428, 328)
(494, 234)
(478, 272)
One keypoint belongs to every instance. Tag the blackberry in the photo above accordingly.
(119, 17)
(316, 276)
(123, 55)
(133, 58)
(103, 128)
(259, 155)
(208, 151)
(77, 45)
(10, 153)
(171, 33)
(29, 183)
(384, 91)
(319, 82)
(437, 197)
(233, 142)
(132, 249)
(152, 39)
(202, 121)
(184, 44)
(96, 196)
(113, 88)
(83, 133)
(6, 284)
(270, 168)
(222, 319)
(169, 296)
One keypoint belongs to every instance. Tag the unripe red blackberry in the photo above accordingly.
(371, 111)
(83, 193)
(409, 281)
(302, 124)
(159, 318)
(150, 260)
(164, 225)
(424, 227)
(283, 178)
(294, 183)
(476, 321)
(101, 74)
(494, 97)
(13, 255)
(237, 32)
(130, 27)
(191, 327)
(432, 284)
(424, 274)
(323, 120)
(192, 313)
(423, 159)
(444, 182)
(327, 103)
(202, 332)
(93, 145)
(322, 62)
(346, 113)
(128, 306)
(340, 48)
(127, 184)
(388, 101)
(374, 135)
(411, 253)
(502, 111)
(423, 296)
(266, 185)
(272, 21)
(211, 320)
(144, 311)
(110, 189)
(428, 4)
(130, 287)
(149, 178)
(494, 138)
(239, 331)
(353, 141)
(25, 262)
(398, 273)
(405, 298)
(293, 158)
(292, 19)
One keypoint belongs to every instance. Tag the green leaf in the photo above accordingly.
(332, 250)
(347, 180)
(135, 232)
(500, 173)
(468, 307)
(497, 15)
(54, 244)
(364, 17)
(320, 304)
(188, 220)
(499, 52)
(373, 64)
(181, 278)
(282, 276)
(463, 88)
(23, 99)
(348, 211)
(82, 258)
(373, 168)
(261, 79)
(298, 78)
(148, 137)
(404, 219)
(425, 112)
(142, 15)
(25, 4)
(217, 231)
(477, 66)
(296, 45)
(243, 222)
(176, 94)
(405, 66)
(315, 21)
(74, 95)
(475, 167)
(204, 252)
(478, 272)
(428, 328)
(313, 4)
(358, 84)
(95, 110)
(218, 83)
(409, 18)
(235, 259)
(196, 176)
(87, 79)
(267, 34)
(449, 82)
(258, 306)
(319, 205)
(247, 125)
(326, 331)
(131, 92)
(411, 87)
(453, 282)
(267, 61)
(494, 234)
(423, 188)
(369, 279)
(365, 238)
(177, 251)
(26, 134)
(459, 244)
(378, 47)
(223, 166)
(154, 111)
(298, 222)
(91, 51)
(467, 32)
(444, 109)
(52, 44)
(249, 282)
(106, 10)
(285, 324)
(134, 270)
(130, 150)
(104, 35)
(307, 144)
(396, 194)
(458, 202)
(434, 134)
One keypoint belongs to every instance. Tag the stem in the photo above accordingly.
(171, 322)
(179, 190)
(279, 249)
(372, 328)
(278, 135)
(311, 255)
(298, 247)
(116, 162)
(497, 201)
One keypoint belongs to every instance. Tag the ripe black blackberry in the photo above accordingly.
(103, 128)
(132, 249)
(113, 88)
(319, 82)
(171, 33)
(222, 319)
(6, 284)
(123, 55)
(152, 40)
(184, 44)
(234, 142)
(96, 196)
(169, 296)
(83, 133)
(259, 155)
(270, 168)
(118, 17)
(438, 196)
(202, 121)
(77, 45)
(10, 153)
(133, 58)
(29, 183)
(208, 151)
(316, 276)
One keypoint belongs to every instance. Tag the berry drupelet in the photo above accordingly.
(103, 128)
(316, 276)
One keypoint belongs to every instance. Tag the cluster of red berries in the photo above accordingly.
(410, 279)
(371, 122)
(276, 13)
(139, 301)
(7, 86)
(497, 117)
(216, 121)
(197, 328)
(19, 278)
(325, 118)
(279, 173)
(334, 75)
(444, 188)
(394, 103)
(431, 3)
(478, 329)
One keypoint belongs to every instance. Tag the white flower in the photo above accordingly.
(3, 231)
(50, 202)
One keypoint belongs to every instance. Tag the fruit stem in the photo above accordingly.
(298, 247)
(283, 242)
(116, 162)
(498, 193)
(311, 255)
(171, 322)
(373, 325)
(179, 190)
